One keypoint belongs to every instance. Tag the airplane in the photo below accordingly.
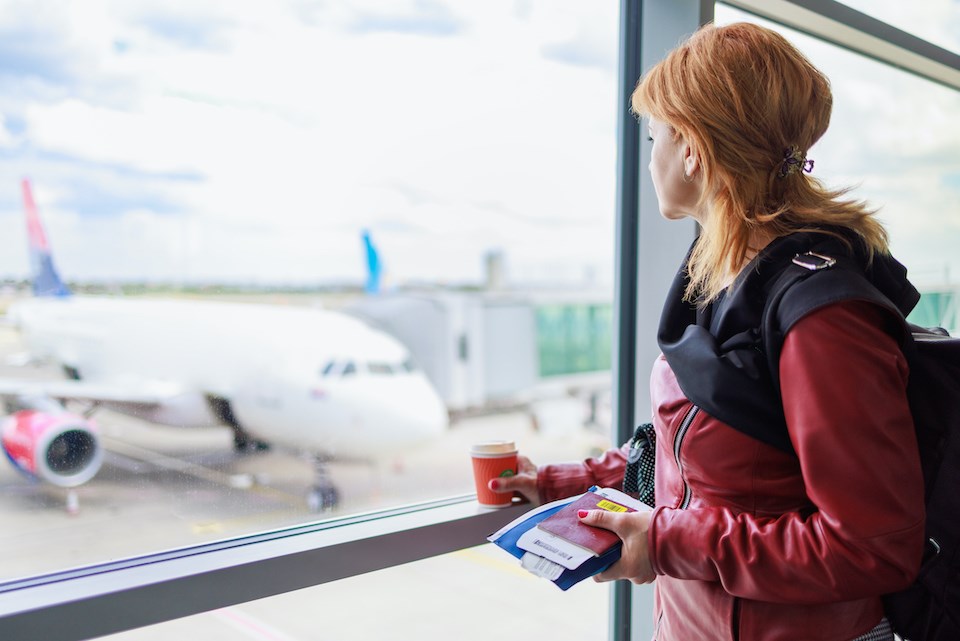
(317, 381)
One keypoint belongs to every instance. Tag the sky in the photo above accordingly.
(256, 140)
(253, 141)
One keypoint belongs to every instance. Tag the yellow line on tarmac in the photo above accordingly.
(505, 564)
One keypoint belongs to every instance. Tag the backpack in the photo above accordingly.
(928, 610)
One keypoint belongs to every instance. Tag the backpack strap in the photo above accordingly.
(814, 280)
(726, 356)
(638, 475)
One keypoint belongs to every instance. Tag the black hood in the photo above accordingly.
(725, 355)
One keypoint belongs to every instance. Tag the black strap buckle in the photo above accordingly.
(638, 474)
(640, 441)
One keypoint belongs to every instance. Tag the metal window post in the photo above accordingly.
(648, 250)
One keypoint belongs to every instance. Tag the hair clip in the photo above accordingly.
(794, 161)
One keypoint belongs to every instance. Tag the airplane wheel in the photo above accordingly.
(323, 498)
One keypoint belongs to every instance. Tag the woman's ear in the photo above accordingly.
(691, 160)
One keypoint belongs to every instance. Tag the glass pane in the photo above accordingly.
(895, 139)
(937, 21)
(476, 594)
(308, 246)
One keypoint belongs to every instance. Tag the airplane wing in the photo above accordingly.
(140, 395)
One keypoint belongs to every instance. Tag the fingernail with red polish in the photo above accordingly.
(494, 484)
(582, 513)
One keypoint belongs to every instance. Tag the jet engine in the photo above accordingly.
(55, 446)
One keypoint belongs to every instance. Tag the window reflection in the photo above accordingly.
(894, 138)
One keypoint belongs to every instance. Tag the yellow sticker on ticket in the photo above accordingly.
(611, 506)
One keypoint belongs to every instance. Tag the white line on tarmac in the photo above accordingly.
(253, 628)
(134, 453)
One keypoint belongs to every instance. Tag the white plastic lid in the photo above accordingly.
(493, 448)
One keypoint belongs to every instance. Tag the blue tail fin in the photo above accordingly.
(46, 280)
(374, 268)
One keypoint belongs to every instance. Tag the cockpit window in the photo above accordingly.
(377, 368)
(380, 368)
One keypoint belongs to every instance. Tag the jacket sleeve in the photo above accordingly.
(843, 382)
(561, 480)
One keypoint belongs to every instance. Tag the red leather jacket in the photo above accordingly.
(773, 546)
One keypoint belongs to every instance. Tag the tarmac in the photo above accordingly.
(166, 487)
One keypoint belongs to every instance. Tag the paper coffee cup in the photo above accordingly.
(493, 459)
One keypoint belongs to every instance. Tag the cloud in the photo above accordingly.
(421, 17)
(592, 45)
(86, 189)
(7, 132)
(13, 125)
(27, 55)
(577, 53)
(104, 199)
(254, 140)
(179, 30)
(40, 61)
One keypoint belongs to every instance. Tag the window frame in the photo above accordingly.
(845, 27)
(113, 597)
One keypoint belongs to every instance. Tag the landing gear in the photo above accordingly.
(242, 442)
(323, 495)
(322, 498)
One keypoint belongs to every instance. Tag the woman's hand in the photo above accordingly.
(631, 527)
(524, 482)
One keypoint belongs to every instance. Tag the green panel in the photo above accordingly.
(936, 309)
(573, 339)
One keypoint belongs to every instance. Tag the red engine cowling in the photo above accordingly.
(60, 448)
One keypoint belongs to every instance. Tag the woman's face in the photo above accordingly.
(675, 170)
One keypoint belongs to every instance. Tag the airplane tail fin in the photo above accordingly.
(374, 267)
(46, 280)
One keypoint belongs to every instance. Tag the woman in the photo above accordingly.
(750, 540)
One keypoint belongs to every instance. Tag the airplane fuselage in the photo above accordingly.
(305, 378)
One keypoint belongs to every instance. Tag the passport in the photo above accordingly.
(567, 525)
(552, 557)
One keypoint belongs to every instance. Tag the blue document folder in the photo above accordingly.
(508, 536)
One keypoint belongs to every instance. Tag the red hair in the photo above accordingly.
(742, 95)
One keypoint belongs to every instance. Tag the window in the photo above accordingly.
(244, 197)
(560, 34)
(936, 21)
(475, 592)
(893, 138)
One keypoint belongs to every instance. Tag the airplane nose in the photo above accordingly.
(417, 414)
(427, 409)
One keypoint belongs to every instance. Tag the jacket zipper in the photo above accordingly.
(736, 618)
(677, 442)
